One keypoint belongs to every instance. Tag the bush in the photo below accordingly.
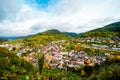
(12, 67)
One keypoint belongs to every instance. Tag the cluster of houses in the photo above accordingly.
(96, 46)
(56, 57)
(10, 46)
(108, 43)
(72, 59)
(31, 58)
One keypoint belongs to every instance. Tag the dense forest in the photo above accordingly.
(108, 30)
(114, 27)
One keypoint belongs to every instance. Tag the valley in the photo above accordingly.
(84, 54)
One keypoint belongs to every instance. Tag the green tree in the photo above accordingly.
(41, 62)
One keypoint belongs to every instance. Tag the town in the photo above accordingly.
(60, 54)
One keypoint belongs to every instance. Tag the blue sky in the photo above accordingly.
(41, 4)
(25, 17)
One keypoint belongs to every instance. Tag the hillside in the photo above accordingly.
(51, 32)
(112, 29)
(71, 34)
(46, 37)
(2, 39)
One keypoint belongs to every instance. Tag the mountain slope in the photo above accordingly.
(114, 27)
(2, 39)
(52, 31)
(46, 37)
(108, 30)
(71, 34)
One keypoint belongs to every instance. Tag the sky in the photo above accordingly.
(26, 17)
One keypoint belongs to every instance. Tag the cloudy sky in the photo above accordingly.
(25, 17)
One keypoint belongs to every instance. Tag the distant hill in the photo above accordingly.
(52, 31)
(14, 37)
(2, 39)
(46, 37)
(71, 34)
(10, 38)
(112, 29)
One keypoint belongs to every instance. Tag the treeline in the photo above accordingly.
(3, 39)
(100, 34)
(114, 27)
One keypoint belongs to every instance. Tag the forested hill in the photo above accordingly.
(46, 37)
(112, 29)
(72, 34)
(2, 39)
(51, 33)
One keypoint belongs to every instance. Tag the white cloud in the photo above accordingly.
(67, 15)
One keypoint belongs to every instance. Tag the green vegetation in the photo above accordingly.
(114, 27)
(46, 37)
(17, 41)
(12, 67)
(41, 62)
(108, 30)
(99, 34)
(71, 34)
(58, 74)
(3, 39)
(108, 70)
